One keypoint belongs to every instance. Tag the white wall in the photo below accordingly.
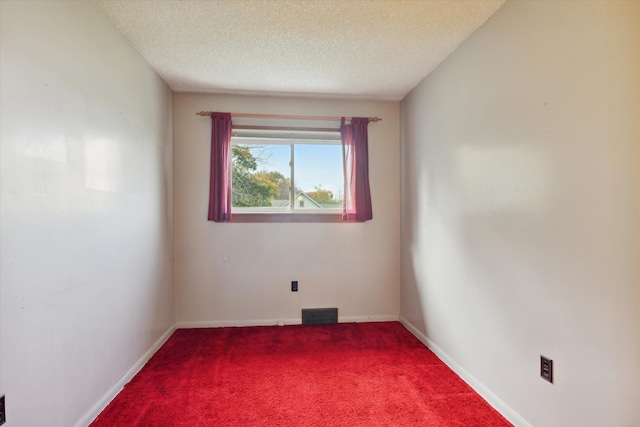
(521, 220)
(86, 210)
(354, 267)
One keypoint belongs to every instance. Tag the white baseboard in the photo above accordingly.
(363, 319)
(234, 323)
(273, 322)
(493, 400)
(112, 393)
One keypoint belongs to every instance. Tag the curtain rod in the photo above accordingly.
(286, 116)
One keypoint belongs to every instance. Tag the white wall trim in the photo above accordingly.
(364, 319)
(91, 415)
(235, 323)
(273, 322)
(476, 385)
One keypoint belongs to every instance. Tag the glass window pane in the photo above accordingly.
(318, 176)
(260, 177)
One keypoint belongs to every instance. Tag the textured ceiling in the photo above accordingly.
(371, 49)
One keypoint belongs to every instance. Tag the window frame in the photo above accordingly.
(286, 217)
(293, 215)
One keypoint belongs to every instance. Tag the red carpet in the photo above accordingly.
(350, 374)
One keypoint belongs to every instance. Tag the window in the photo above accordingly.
(284, 172)
(266, 170)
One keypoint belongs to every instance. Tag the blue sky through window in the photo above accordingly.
(316, 165)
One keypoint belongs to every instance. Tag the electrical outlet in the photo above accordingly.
(546, 369)
(3, 412)
(294, 286)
